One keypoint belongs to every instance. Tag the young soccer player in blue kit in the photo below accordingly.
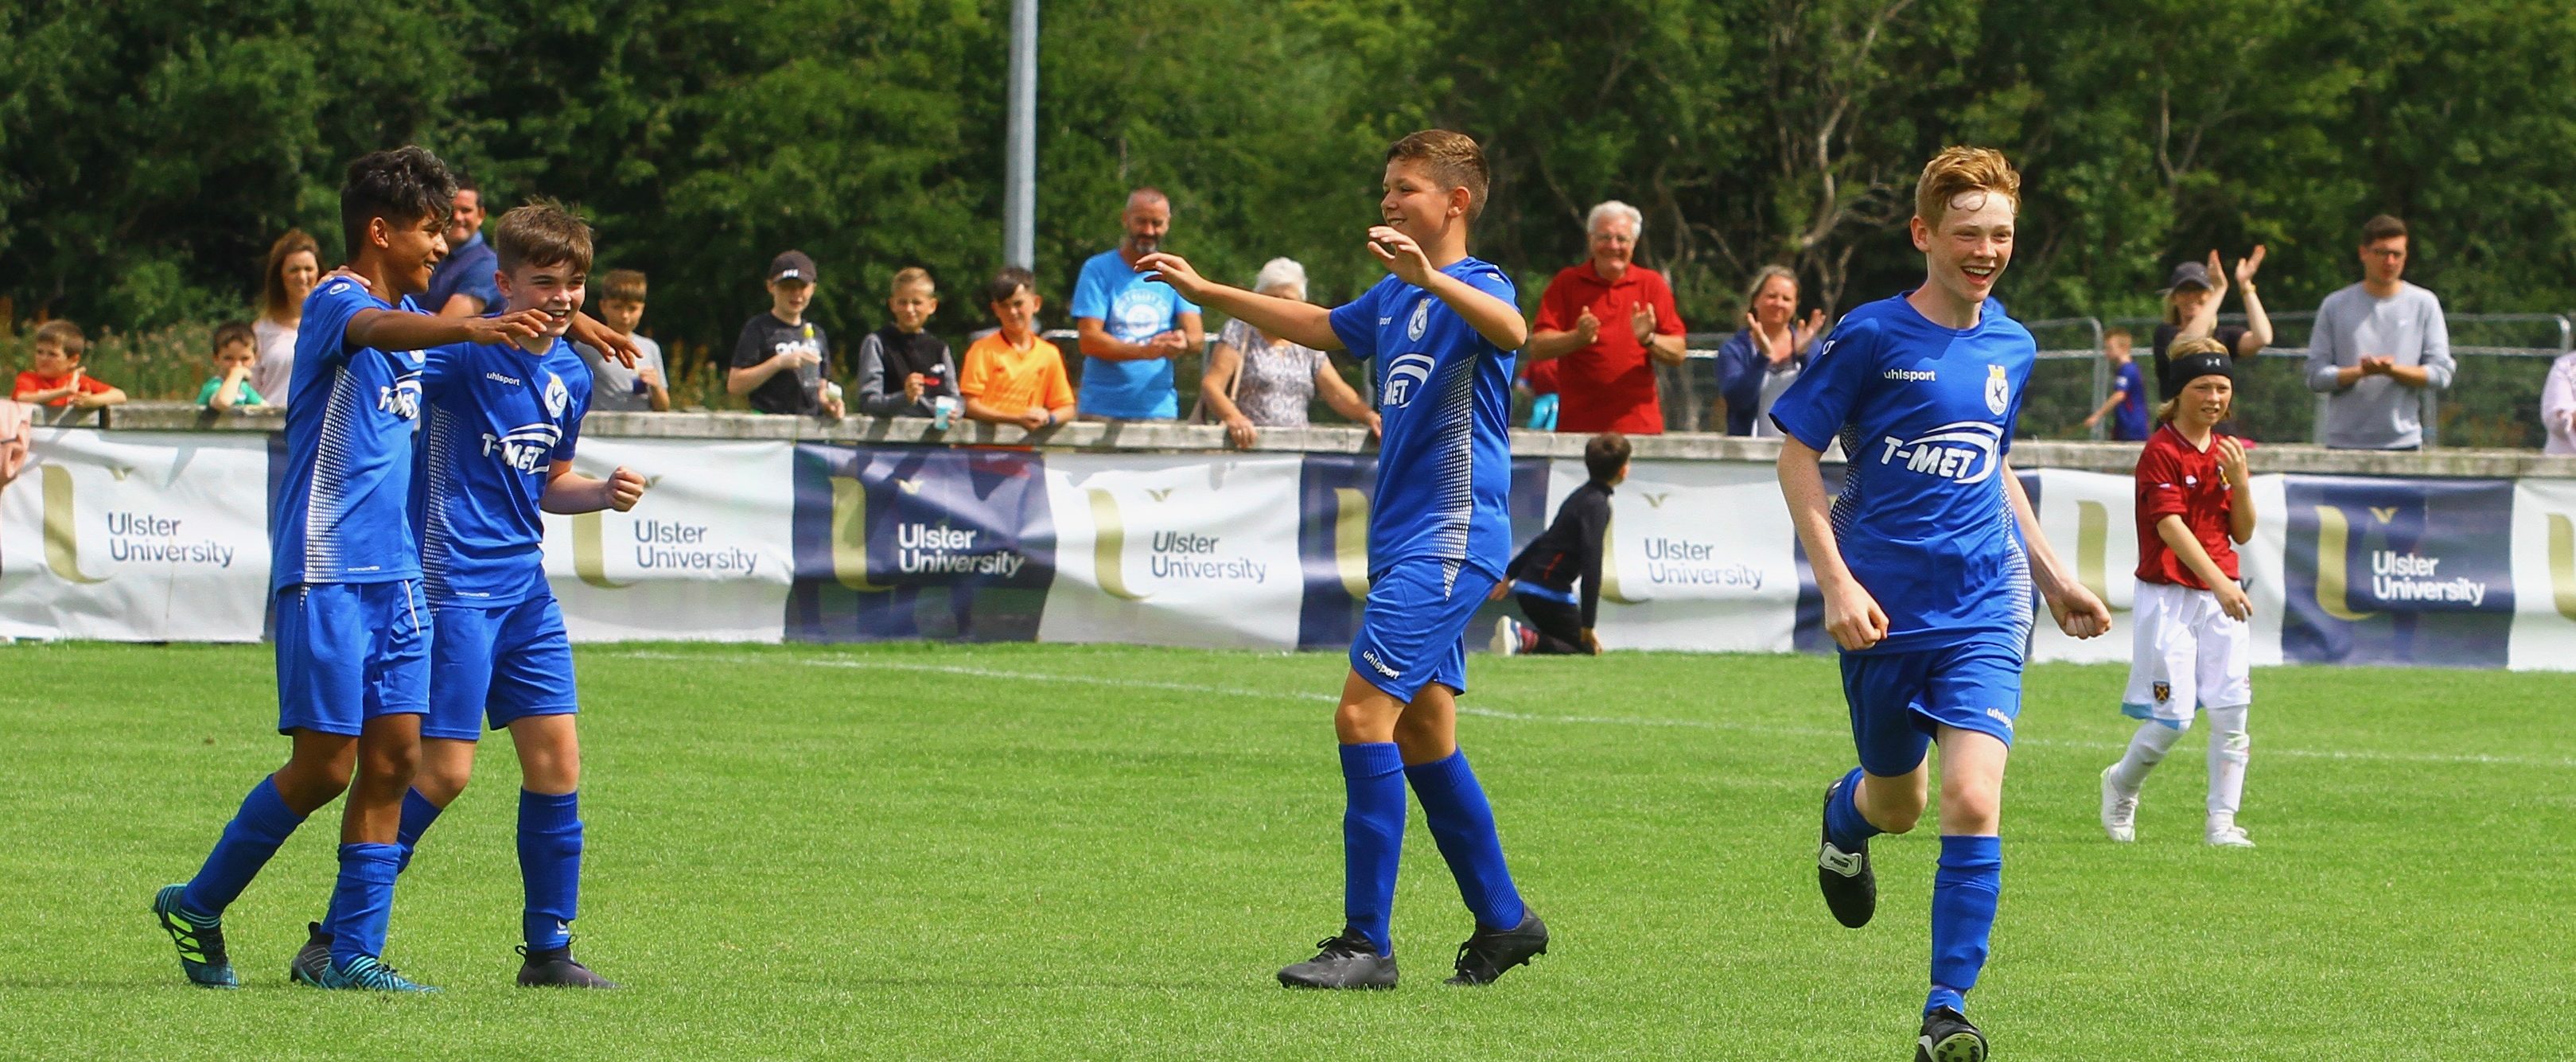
(352, 625)
(1926, 563)
(1442, 328)
(501, 421)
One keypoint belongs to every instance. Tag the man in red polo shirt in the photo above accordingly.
(1609, 320)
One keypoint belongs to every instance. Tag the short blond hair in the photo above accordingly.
(1454, 160)
(911, 276)
(1958, 170)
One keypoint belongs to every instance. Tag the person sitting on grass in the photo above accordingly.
(1543, 576)
(1012, 376)
(56, 377)
(236, 357)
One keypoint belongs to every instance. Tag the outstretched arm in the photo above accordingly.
(1302, 323)
(397, 330)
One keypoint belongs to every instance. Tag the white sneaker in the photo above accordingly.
(2229, 836)
(2119, 809)
(1507, 637)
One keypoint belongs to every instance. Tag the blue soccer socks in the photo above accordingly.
(262, 824)
(363, 902)
(417, 815)
(1844, 824)
(1372, 838)
(550, 864)
(1463, 824)
(1963, 914)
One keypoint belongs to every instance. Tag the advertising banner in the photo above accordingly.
(2398, 571)
(1175, 550)
(136, 536)
(1699, 557)
(706, 555)
(913, 542)
(2544, 575)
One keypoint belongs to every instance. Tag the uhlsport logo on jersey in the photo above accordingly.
(1964, 451)
(1406, 376)
(2398, 571)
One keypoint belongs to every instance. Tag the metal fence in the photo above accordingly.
(2493, 400)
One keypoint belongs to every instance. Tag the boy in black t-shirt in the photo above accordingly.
(783, 362)
(905, 371)
(1542, 578)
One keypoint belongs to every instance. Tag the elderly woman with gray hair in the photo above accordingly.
(1255, 380)
(1764, 357)
(1609, 321)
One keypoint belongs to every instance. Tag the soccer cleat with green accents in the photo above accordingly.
(367, 974)
(201, 944)
(1489, 953)
(555, 968)
(1948, 1037)
(313, 959)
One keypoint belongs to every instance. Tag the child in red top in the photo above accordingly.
(2191, 644)
(56, 378)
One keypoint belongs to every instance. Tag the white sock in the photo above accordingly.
(2147, 748)
(2228, 750)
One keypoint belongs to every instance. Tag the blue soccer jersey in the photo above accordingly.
(1444, 470)
(1926, 416)
(339, 516)
(498, 418)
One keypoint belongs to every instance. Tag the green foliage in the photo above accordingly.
(149, 152)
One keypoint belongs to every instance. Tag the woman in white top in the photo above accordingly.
(1254, 380)
(294, 264)
(2558, 405)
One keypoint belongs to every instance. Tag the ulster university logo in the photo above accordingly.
(62, 527)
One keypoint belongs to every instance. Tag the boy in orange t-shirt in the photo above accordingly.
(56, 378)
(1012, 376)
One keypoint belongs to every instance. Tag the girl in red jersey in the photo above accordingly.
(2192, 644)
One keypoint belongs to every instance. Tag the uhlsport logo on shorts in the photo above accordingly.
(1405, 376)
(1964, 451)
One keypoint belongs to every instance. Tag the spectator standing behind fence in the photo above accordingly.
(1012, 376)
(1764, 357)
(614, 387)
(294, 266)
(2127, 406)
(2558, 406)
(236, 352)
(1609, 320)
(2192, 298)
(55, 376)
(1259, 381)
(463, 285)
(2377, 347)
(782, 363)
(904, 371)
(1131, 328)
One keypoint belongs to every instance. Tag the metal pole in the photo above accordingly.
(2101, 375)
(1020, 170)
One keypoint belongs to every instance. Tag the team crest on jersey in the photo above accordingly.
(1998, 389)
(2164, 692)
(557, 395)
(1406, 376)
(1421, 319)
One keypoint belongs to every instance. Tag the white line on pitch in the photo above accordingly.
(1581, 720)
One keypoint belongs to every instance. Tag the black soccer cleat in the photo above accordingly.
(555, 968)
(1488, 953)
(1850, 887)
(1346, 961)
(1948, 1037)
(313, 959)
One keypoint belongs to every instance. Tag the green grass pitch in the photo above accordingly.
(931, 851)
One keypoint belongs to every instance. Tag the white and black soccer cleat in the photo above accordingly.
(1850, 887)
(1949, 1037)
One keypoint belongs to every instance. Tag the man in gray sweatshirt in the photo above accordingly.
(2377, 347)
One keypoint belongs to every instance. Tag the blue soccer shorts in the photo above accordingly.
(497, 664)
(349, 652)
(1414, 630)
(1899, 701)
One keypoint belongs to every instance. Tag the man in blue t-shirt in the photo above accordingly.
(1441, 328)
(463, 286)
(501, 420)
(1926, 563)
(352, 639)
(1132, 326)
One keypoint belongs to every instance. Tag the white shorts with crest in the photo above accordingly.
(2186, 654)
